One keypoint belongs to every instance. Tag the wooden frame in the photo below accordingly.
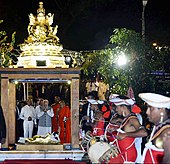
(8, 95)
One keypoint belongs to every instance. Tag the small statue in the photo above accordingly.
(41, 14)
(55, 30)
(49, 19)
(32, 19)
(41, 10)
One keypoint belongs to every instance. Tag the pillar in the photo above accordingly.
(75, 112)
(4, 104)
(12, 113)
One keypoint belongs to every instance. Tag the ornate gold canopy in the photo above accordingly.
(42, 47)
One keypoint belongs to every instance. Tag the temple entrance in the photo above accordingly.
(42, 65)
(36, 89)
(54, 77)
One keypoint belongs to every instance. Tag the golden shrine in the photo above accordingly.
(42, 47)
(41, 59)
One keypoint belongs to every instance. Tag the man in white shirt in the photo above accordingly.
(28, 115)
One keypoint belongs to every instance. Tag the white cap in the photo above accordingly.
(113, 96)
(91, 101)
(155, 100)
(118, 101)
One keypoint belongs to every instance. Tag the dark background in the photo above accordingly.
(88, 24)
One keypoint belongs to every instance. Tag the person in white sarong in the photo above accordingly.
(45, 115)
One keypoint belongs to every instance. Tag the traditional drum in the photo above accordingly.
(100, 151)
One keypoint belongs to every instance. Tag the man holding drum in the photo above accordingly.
(130, 128)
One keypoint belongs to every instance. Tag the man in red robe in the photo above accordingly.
(55, 107)
(64, 119)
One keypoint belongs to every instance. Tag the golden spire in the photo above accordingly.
(41, 10)
(42, 47)
(40, 27)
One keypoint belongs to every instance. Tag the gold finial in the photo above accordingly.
(41, 10)
(40, 27)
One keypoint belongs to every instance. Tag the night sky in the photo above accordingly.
(88, 24)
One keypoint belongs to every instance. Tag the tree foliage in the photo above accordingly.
(7, 52)
(136, 73)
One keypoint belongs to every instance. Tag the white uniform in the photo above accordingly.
(28, 111)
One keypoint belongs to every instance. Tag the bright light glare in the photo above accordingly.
(154, 44)
(69, 82)
(16, 82)
(122, 60)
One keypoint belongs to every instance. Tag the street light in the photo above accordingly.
(144, 2)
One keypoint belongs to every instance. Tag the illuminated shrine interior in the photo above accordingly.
(35, 89)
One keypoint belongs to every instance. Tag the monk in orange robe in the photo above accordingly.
(56, 107)
(64, 116)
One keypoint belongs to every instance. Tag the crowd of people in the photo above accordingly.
(119, 123)
(111, 131)
(43, 119)
(98, 87)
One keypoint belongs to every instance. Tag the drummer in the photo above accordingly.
(98, 122)
(98, 126)
(130, 128)
(157, 150)
(111, 128)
